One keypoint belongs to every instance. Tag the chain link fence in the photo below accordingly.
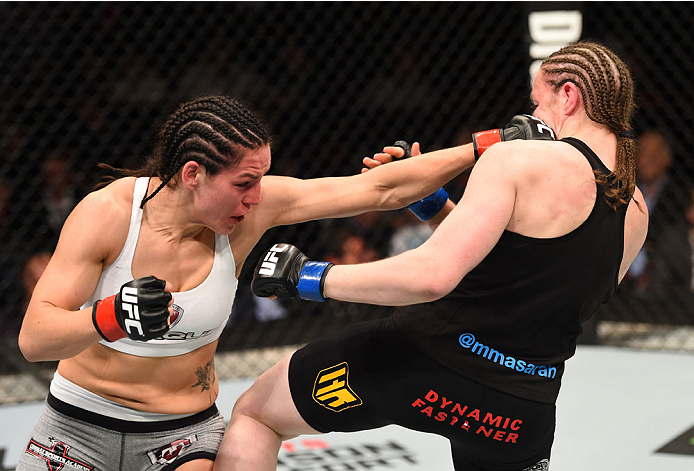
(84, 83)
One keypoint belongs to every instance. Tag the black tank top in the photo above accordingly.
(513, 320)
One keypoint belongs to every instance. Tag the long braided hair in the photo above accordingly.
(212, 131)
(608, 98)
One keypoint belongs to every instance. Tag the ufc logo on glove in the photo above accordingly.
(269, 264)
(129, 305)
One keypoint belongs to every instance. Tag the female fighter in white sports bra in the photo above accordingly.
(143, 280)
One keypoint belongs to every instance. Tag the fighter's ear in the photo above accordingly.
(570, 98)
(190, 174)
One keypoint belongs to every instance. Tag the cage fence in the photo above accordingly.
(84, 83)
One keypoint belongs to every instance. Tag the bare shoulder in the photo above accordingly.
(278, 187)
(277, 194)
(101, 220)
(531, 159)
(282, 197)
(111, 201)
(536, 150)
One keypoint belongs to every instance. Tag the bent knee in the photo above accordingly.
(268, 393)
(249, 404)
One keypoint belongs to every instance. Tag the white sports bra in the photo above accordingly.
(202, 312)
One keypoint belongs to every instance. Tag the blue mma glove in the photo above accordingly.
(285, 272)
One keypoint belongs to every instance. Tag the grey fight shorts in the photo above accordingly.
(69, 438)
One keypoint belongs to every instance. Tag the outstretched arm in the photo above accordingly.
(423, 274)
(289, 200)
(461, 241)
(286, 200)
(433, 208)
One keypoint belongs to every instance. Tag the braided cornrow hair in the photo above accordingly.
(211, 130)
(607, 89)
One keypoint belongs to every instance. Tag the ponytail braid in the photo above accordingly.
(607, 90)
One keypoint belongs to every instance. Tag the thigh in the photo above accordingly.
(498, 431)
(197, 465)
(369, 375)
(61, 442)
(488, 429)
(332, 380)
(269, 402)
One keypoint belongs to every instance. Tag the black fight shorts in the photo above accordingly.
(369, 375)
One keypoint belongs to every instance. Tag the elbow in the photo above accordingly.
(27, 348)
(390, 199)
(389, 196)
(30, 349)
(435, 277)
(434, 287)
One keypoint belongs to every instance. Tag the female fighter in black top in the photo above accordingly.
(542, 235)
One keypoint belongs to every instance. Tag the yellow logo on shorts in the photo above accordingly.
(331, 389)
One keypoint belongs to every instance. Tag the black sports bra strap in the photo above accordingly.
(592, 158)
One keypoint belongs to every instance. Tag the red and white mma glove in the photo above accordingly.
(140, 311)
(521, 126)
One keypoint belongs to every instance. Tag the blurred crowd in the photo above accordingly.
(664, 263)
(93, 84)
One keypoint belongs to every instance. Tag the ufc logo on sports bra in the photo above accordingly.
(129, 304)
(269, 264)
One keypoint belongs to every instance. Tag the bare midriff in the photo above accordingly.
(179, 384)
